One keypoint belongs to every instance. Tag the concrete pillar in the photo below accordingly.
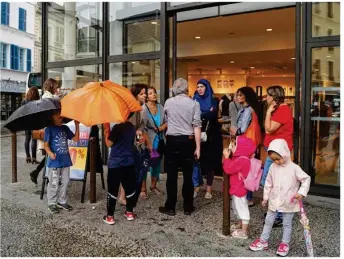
(69, 76)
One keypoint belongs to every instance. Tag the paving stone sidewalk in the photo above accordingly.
(28, 229)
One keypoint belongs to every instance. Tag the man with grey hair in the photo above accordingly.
(183, 141)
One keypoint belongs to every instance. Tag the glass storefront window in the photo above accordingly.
(74, 30)
(325, 115)
(133, 72)
(130, 35)
(70, 78)
(325, 19)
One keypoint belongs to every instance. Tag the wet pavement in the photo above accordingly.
(28, 229)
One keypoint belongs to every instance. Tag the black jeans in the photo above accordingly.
(179, 154)
(125, 176)
(28, 136)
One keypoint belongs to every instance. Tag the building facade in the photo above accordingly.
(295, 45)
(17, 52)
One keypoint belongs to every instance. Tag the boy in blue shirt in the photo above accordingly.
(121, 168)
(59, 162)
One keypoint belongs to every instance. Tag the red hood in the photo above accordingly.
(244, 147)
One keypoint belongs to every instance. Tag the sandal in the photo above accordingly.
(156, 191)
(239, 234)
(235, 227)
(143, 195)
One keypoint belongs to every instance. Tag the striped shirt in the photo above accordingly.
(182, 115)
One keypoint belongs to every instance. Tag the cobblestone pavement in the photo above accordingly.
(28, 229)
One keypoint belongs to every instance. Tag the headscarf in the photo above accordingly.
(205, 101)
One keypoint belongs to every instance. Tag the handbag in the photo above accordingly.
(204, 136)
(161, 145)
(253, 131)
(38, 134)
(197, 178)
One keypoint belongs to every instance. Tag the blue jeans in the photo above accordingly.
(249, 196)
(267, 164)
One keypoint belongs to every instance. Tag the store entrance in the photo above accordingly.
(252, 49)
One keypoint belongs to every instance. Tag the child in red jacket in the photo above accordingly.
(237, 165)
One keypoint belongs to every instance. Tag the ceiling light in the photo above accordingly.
(197, 37)
(268, 29)
(232, 62)
(252, 67)
(292, 58)
(284, 75)
(328, 56)
(263, 75)
(154, 23)
(133, 62)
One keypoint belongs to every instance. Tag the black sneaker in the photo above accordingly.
(170, 212)
(65, 206)
(53, 209)
(188, 212)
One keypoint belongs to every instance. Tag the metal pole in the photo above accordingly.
(226, 207)
(14, 157)
(93, 180)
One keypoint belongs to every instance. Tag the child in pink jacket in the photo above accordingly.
(281, 187)
(237, 160)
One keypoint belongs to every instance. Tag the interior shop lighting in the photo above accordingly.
(268, 29)
(197, 37)
(292, 58)
(154, 23)
(232, 62)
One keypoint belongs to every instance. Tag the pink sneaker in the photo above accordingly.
(130, 215)
(259, 245)
(283, 249)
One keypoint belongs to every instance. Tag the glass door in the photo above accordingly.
(325, 114)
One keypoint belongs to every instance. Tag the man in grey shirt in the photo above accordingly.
(183, 142)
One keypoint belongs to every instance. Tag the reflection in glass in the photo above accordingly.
(70, 78)
(325, 19)
(325, 115)
(138, 36)
(130, 73)
(74, 30)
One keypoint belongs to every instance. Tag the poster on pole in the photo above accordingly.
(78, 152)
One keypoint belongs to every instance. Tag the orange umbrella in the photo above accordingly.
(98, 103)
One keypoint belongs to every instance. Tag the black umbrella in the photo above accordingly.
(34, 115)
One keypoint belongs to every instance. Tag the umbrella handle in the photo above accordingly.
(302, 210)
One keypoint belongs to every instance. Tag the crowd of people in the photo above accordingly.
(183, 131)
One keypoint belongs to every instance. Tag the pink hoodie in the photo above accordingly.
(283, 182)
(245, 147)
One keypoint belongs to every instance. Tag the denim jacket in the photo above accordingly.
(244, 120)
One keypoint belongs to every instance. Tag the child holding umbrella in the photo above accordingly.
(121, 167)
(59, 161)
(285, 181)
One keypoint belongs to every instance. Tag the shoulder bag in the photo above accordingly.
(161, 145)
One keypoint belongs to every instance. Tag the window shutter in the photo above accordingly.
(24, 18)
(12, 57)
(16, 57)
(28, 60)
(5, 13)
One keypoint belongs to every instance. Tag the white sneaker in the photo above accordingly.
(208, 196)
(195, 194)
